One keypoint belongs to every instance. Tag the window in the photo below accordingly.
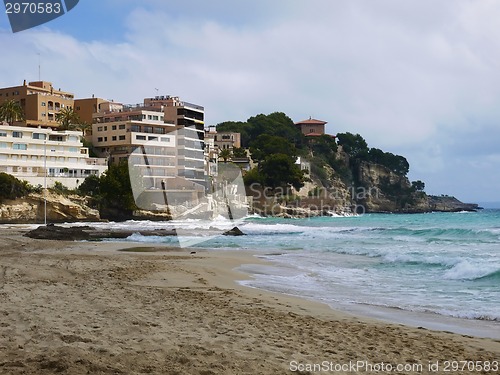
(105, 139)
(43, 104)
(38, 136)
(113, 127)
(150, 117)
(73, 149)
(147, 129)
(122, 137)
(105, 128)
(3, 145)
(121, 127)
(78, 108)
(20, 146)
(152, 138)
(3, 134)
(99, 128)
(113, 138)
(135, 128)
(159, 130)
(140, 137)
(17, 134)
(99, 139)
(164, 139)
(155, 118)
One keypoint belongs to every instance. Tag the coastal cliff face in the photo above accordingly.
(31, 209)
(370, 187)
(388, 191)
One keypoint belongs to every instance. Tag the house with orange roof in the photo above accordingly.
(311, 127)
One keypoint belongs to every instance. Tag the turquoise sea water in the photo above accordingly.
(441, 263)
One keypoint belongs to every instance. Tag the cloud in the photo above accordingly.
(419, 78)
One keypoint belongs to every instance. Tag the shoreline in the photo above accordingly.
(417, 319)
(75, 307)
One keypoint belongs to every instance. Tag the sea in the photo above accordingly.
(435, 270)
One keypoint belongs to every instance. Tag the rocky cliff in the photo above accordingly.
(31, 209)
(368, 187)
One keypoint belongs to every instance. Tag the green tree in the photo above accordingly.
(276, 123)
(280, 171)
(253, 176)
(68, 119)
(90, 186)
(115, 188)
(225, 155)
(354, 145)
(239, 152)
(12, 188)
(265, 145)
(11, 111)
(418, 185)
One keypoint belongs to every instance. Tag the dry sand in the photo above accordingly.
(86, 308)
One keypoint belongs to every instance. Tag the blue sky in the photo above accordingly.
(419, 77)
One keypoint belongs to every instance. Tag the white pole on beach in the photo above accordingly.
(45, 179)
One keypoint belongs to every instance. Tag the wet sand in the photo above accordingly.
(88, 308)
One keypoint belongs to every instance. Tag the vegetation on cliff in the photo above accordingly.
(111, 192)
(345, 161)
(12, 188)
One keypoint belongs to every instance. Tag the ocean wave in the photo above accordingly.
(466, 270)
(436, 235)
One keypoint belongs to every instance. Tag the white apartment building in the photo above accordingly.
(43, 156)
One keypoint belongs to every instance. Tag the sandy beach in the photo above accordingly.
(89, 308)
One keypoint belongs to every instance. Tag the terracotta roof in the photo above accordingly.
(313, 134)
(311, 121)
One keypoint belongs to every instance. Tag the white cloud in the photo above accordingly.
(412, 77)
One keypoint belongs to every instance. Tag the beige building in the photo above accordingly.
(86, 108)
(166, 131)
(40, 102)
(42, 155)
(223, 140)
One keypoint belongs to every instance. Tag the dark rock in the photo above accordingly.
(54, 232)
(79, 233)
(450, 204)
(234, 232)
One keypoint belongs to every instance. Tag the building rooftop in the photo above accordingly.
(311, 121)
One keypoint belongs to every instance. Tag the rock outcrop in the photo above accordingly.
(79, 233)
(31, 209)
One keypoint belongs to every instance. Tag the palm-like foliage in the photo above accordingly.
(11, 111)
(68, 119)
(225, 155)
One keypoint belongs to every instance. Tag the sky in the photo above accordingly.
(418, 78)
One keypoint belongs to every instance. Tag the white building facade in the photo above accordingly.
(43, 156)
